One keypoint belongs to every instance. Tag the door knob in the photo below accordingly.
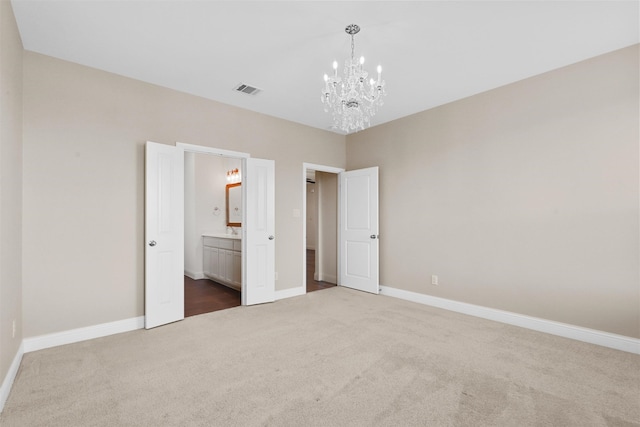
(271, 237)
(374, 236)
(152, 243)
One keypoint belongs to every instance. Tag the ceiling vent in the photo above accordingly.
(249, 90)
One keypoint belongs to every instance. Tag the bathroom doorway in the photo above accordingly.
(205, 214)
(164, 256)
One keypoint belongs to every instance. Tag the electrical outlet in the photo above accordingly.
(434, 280)
(13, 334)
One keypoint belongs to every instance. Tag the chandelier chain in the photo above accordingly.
(353, 55)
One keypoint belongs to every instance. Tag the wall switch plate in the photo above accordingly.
(434, 280)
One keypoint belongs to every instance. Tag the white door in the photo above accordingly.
(258, 280)
(164, 231)
(359, 230)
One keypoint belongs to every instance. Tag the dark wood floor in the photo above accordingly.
(204, 295)
(314, 285)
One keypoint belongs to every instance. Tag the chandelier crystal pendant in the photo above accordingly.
(352, 99)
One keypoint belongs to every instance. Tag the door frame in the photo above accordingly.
(319, 168)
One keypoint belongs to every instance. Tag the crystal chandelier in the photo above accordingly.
(351, 99)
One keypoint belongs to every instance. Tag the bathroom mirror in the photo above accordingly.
(234, 205)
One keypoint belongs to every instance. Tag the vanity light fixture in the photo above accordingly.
(234, 176)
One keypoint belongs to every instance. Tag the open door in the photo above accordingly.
(359, 245)
(164, 235)
(258, 280)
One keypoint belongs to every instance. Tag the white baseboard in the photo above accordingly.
(11, 376)
(606, 339)
(329, 278)
(289, 293)
(195, 275)
(81, 334)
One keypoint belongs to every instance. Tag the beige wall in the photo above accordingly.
(84, 136)
(327, 194)
(524, 198)
(10, 187)
(312, 216)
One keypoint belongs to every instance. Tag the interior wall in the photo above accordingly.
(190, 242)
(10, 188)
(84, 137)
(327, 261)
(205, 204)
(210, 182)
(524, 198)
(312, 216)
(210, 185)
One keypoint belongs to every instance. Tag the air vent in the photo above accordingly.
(249, 90)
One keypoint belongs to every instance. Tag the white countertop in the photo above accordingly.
(223, 236)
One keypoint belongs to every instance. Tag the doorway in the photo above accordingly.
(164, 231)
(321, 227)
(357, 238)
(321, 219)
(205, 213)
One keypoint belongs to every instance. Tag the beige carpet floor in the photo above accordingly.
(336, 357)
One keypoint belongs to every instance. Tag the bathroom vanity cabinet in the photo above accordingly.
(223, 260)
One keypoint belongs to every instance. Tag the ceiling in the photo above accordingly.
(431, 52)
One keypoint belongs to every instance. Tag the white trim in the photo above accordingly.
(209, 150)
(291, 292)
(321, 168)
(329, 278)
(82, 334)
(194, 275)
(605, 339)
(11, 376)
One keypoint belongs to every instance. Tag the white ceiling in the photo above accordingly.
(431, 52)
